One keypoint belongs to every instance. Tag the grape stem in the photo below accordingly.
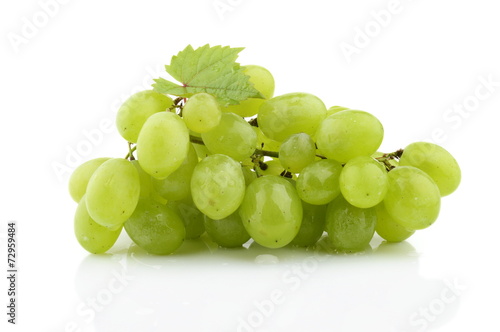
(387, 157)
(257, 152)
(177, 105)
(253, 122)
(196, 140)
(131, 149)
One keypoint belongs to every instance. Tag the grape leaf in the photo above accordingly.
(208, 69)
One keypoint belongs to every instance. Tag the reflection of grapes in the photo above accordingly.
(282, 177)
(141, 288)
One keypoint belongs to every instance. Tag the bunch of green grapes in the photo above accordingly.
(279, 171)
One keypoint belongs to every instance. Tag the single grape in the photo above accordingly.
(113, 192)
(296, 152)
(192, 218)
(80, 177)
(93, 237)
(412, 198)
(177, 185)
(233, 137)
(271, 211)
(217, 186)
(349, 228)
(228, 232)
(434, 160)
(163, 144)
(363, 182)
(335, 109)
(201, 112)
(289, 114)
(313, 225)
(348, 134)
(145, 179)
(263, 81)
(264, 142)
(137, 109)
(318, 183)
(155, 227)
(388, 228)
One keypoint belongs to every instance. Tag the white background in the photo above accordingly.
(63, 82)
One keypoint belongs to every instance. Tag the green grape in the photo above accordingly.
(137, 109)
(290, 114)
(271, 211)
(313, 225)
(233, 137)
(318, 183)
(363, 182)
(388, 228)
(144, 178)
(335, 109)
(263, 81)
(192, 218)
(264, 142)
(155, 227)
(249, 175)
(217, 186)
(348, 134)
(201, 112)
(413, 198)
(178, 184)
(349, 228)
(93, 237)
(228, 232)
(113, 192)
(163, 144)
(434, 160)
(296, 152)
(80, 177)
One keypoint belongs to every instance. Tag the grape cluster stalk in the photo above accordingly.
(280, 170)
